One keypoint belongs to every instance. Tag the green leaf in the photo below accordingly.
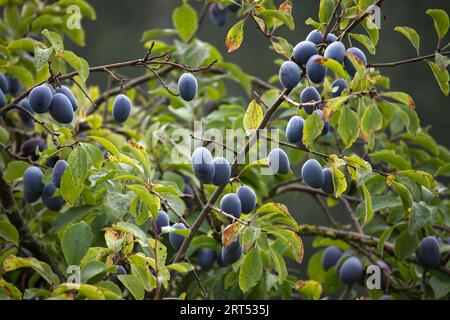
(441, 21)
(392, 159)
(440, 285)
(280, 265)
(75, 242)
(310, 289)
(235, 36)
(401, 97)
(405, 196)
(23, 44)
(326, 9)
(184, 19)
(133, 285)
(333, 65)
(372, 119)
(152, 202)
(55, 39)
(23, 74)
(10, 289)
(405, 245)
(312, 129)
(107, 145)
(442, 77)
(418, 218)
(339, 182)
(8, 232)
(411, 34)
(12, 263)
(72, 181)
(15, 170)
(422, 178)
(384, 238)
(41, 56)
(77, 63)
(348, 126)
(251, 270)
(282, 46)
(284, 17)
(182, 267)
(253, 117)
(368, 216)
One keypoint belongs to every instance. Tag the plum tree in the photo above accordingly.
(206, 257)
(187, 86)
(335, 51)
(294, 129)
(218, 15)
(428, 252)
(54, 203)
(161, 221)
(338, 86)
(231, 204)
(248, 199)
(40, 98)
(315, 36)
(330, 257)
(203, 165)
(328, 185)
(309, 94)
(29, 147)
(121, 108)
(32, 184)
(69, 94)
(312, 173)
(175, 239)
(303, 51)
(358, 54)
(279, 162)
(351, 271)
(58, 171)
(222, 171)
(290, 74)
(61, 109)
(316, 72)
(232, 252)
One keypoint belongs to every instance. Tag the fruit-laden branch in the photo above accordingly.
(27, 239)
(407, 61)
(241, 155)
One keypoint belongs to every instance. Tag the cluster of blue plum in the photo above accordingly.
(60, 103)
(34, 188)
(162, 221)
(8, 85)
(209, 170)
(218, 14)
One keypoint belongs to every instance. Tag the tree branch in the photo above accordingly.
(407, 61)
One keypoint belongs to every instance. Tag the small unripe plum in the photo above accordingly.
(161, 221)
(331, 38)
(351, 271)
(68, 93)
(309, 94)
(349, 65)
(13, 85)
(315, 71)
(218, 15)
(338, 86)
(175, 239)
(312, 173)
(203, 165)
(4, 84)
(26, 118)
(187, 86)
(206, 257)
(248, 199)
(28, 148)
(121, 108)
(32, 184)
(222, 171)
(231, 204)
(328, 186)
(428, 253)
(330, 257)
(294, 129)
(279, 161)
(335, 51)
(232, 252)
(315, 36)
(290, 74)
(40, 98)
(58, 171)
(3, 100)
(120, 270)
(61, 109)
(303, 51)
(51, 202)
(190, 195)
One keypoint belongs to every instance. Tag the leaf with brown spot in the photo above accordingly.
(235, 36)
(230, 234)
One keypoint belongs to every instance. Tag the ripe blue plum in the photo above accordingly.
(315, 36)
(69, 94)
(13, 85)
(312, 173)
(279, 161)
(61, 109)
(232, 252)
(303, 51)
(358, 54)
(335, 51)
(290, 74)
(385, 297)
(217, 14)
(3, 100)
(351, 271)
(187, 86)
(120, 270)
(328, 186)
(234, 7)
(51, 202)
(294, 129)
(4, 84)
(175, 239)
(203, 165)
(32, 184)
(330, 257)
(338, 86)
(41, 98)
(309, 94)
(206, 257)
(248, 199)
(428, 253)
(58, 171)
(26, 118)
(29, 147)
(231, 204)
(161, 221)
(121, 108)
(331, 38)
(315, 71)
(222, 171)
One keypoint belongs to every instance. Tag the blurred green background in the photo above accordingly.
(116, 34)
